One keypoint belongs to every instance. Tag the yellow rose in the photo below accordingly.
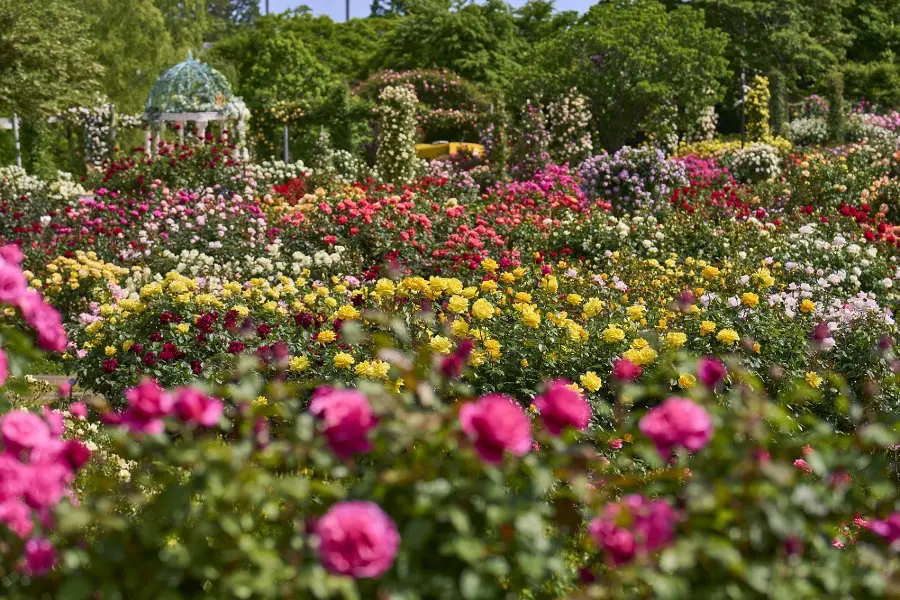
(347, 313)
(459, 328)
(807, 306)
(531, 317)
(457, 304)
(493, 348)
(635, 312)
(183, 327)
(482, 309)
(523, 297)
(639, 343)
(686, 381)
(707, 327)
(342, 360)
(676, 339)
(813, 379)
(613, 334)
(710, 272)
(299, 363)
(489, 264)
(110, 350)
(441, 344)
(573, 299)
(326, 336)
(728, 336)
(593, 307)
(750, 299)
(488, 286)
(384, 288)
(590, 381)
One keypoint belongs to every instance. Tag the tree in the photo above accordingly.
(234, 12)
(641, 66)
(479, 41)
(387, 8)
(132, 40)
(45, 63)
(538, 20)
(803, 39)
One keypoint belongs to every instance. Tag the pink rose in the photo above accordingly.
(677, 422)
(47, 483)
(45, 320)
(21, 429)
(803, 465)
(496, 424)
(13, 477)
(625, 370)
(357, 539)
(12, 283)
(4, 368)
(55, 421)
(16, 515)
(147, 404)
(563, 407)
(193, 406)
(12, 254)
(711, 372)
(347, 417)
(39, 556)
(78, 410)
(889, 529)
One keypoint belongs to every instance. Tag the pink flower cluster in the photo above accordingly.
(677, 422)
(358, 539)
(149, 404)
(38, 314)
(36, 469)
(632, 527)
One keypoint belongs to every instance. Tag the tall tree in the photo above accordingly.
(477, 40)
(538, 20)
(45, 63)
(387, 8)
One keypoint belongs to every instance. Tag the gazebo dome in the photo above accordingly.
(189, 87)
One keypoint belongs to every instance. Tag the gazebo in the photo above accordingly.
(192, 92)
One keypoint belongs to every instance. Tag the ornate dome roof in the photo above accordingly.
(189, 86)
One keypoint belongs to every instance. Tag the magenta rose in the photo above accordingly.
(677, 422)
(13, 477)
(16, 515)
(147, 404)
(12, 283)
(193, 406)
(496, 424)
(39, 556)
(21, 429)
(889, 528)
(347, 418)
(358, 539)
(625, 370)
(563, 407)
(633, 526)
(711, 372)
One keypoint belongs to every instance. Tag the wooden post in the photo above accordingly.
(15, 128)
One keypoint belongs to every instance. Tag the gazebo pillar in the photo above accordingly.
(148, 143)
(201, 129)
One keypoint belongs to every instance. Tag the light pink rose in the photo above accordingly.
(677, 422)
(358, 539)
(12, 283)
(16, 515)
(496, 424)
(563, 407)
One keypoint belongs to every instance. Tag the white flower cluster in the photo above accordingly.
(863, 126)
(337, 164)
(756, 162)
(569, 121)
(396, 159)
(274, 172)
(15, 181)
(64, 188)
(808, 131)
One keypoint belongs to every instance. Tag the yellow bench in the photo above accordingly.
(432, 151)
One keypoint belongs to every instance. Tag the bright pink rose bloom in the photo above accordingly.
(711, 372)
(78, 410)
(21, 429)
(16, 515)
(4, 368)
(45, 320)
(12, 254)
(889, 528)
(563, 407)
(193, 406)
(625, 370)
(39, 556)
(65, 390)
(677, 422)
(13, 476)
(650, 526)
(357, 539)
(347, 417)
(147, 404)
(12, 283)
(55, 421)
(496, 424)
(47, 483)
(803, 465)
